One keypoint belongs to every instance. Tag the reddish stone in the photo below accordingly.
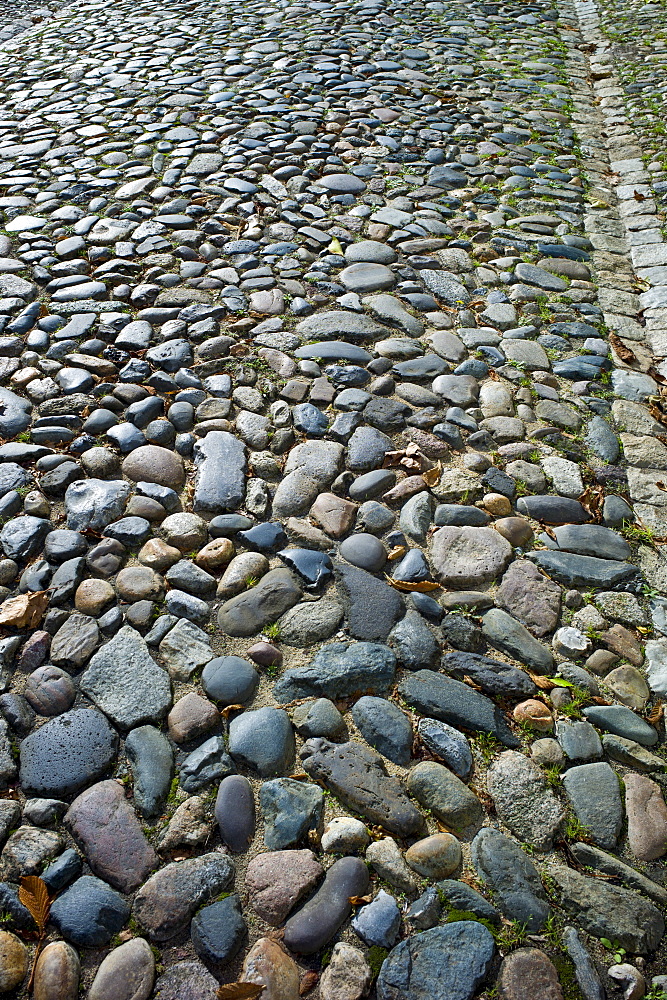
(278, 880)
(647, 817)
(106, 826)
(527, 974)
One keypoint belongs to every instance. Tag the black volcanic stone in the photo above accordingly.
(67, 754)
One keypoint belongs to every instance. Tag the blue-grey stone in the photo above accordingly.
(339, 670)
(385, 727)
(262, 739)
(290, 809)
(443, 963)
(378, 922)
(455, 703)
(209, 762)
(622, 721)
(89, 913)
(448, 744)
(218, 930)
(512, 877)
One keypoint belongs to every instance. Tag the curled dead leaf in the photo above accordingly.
(656, 713)
(638, 196)
(624, 352)
(25, 610)
(543, 683)
(420, 586)
(299, 776)
(309, 981)
(397, 552)
(241, 991)
(228, 709)
(359, 900)
(432, 476)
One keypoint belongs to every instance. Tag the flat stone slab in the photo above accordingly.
(443, 963)
(609, 911)
(456, 703)
(340, 670)
(220, 459)
(124, 681)
(464, 558)
(357, 777)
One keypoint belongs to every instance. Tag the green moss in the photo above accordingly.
(376, 956)
(567, 978)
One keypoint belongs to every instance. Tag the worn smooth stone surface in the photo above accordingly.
(502, 864)
(57, 974)
(316, 923)
(527, 973)
(647, 817)
(277, 881)
(127, 973)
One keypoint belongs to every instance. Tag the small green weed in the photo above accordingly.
(619, 953)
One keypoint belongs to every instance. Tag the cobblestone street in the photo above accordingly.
(333, 500)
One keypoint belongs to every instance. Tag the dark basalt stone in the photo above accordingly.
(358, 778)
(317, 922)
(456, 703)
(235, 813)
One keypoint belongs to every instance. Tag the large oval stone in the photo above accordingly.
(127, 973)
(465, 557)
(13, 961)
(57, 973)
(153, 464)
(104, 822)
(528, 973)
(317, 922)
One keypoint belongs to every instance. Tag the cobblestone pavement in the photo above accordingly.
(333, 467)
(15, 18)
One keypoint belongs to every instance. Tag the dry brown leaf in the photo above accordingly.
(34, 895)
(432, 476)
(638, 196)
(656, 714)
(25, 610)
(228, 709)
(240, 991)
(397, 552)
(309, 982)
(359, 900)
(421, 587)
(543, 683)
(623, 351)
(299, 776)
(661, 486)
